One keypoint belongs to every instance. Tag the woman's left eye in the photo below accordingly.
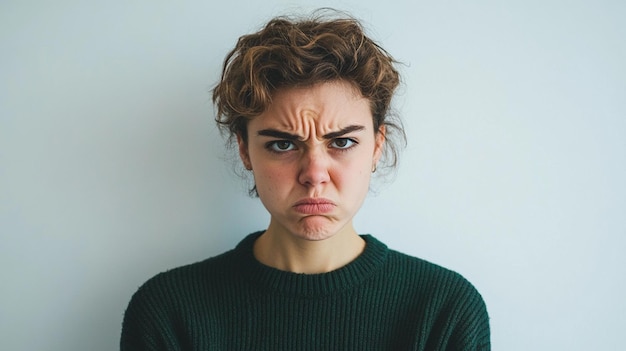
(343, 143)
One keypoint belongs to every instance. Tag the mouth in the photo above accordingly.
(314, 206)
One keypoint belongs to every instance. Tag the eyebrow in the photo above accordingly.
(288, 136)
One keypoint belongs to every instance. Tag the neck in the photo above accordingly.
(287, 252)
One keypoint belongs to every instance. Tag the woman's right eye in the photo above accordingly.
(281, 146)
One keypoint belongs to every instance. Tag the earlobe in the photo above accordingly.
(243, 153)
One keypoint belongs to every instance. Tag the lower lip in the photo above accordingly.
(314, 209)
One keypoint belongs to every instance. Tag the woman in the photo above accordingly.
(307, 102)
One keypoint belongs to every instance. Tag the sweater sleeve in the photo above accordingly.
(471, 331)
(147, 324)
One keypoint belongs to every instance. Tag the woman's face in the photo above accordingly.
(312, 153)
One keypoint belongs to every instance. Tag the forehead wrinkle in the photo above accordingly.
(307, 112)
(307, 122)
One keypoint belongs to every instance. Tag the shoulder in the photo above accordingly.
(199, 275)
(414, 278)
(164, 304)
(414, 270)
(203, 278)
(415, 266)
(445, 294)
(164, 301)
(421, 274)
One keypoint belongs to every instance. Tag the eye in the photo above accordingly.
(343, 143)
(280, 146)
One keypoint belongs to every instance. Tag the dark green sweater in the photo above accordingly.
(383, 300)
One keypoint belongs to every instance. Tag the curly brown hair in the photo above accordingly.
(303, 52)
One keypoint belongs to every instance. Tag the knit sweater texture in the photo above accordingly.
(383, 300)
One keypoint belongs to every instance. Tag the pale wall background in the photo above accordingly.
(515, 173)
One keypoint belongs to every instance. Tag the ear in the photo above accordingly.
(379, 143)
(243, 153)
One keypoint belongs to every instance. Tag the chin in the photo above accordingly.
(315, 229)
(314, 234)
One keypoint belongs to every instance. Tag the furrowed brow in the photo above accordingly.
(344, 131)
(274, 133)
(279, 134)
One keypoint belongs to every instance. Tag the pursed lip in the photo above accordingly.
(314, 206)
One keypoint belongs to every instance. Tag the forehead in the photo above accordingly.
(323, 107)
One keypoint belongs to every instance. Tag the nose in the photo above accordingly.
(314, 168)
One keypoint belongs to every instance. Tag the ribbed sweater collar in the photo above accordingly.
(311, 285)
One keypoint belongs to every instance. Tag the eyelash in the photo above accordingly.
(272, 145)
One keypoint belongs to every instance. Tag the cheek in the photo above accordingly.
(273, 185)
(358, 164)
(353, 174)
(272, 179)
